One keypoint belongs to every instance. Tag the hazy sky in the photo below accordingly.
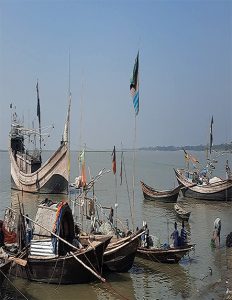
(185, 69)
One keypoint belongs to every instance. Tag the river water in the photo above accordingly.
(190, 279)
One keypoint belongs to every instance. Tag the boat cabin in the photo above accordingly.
(56, 218)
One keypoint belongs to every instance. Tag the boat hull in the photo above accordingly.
(166, 196)
(64, 269)
(219, 191)
(119, 256)
(163, 255)
(50, 178)
(4, 268)
(181, 213)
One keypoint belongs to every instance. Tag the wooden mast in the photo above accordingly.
(134, 88)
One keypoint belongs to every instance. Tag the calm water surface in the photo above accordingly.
(146, 280)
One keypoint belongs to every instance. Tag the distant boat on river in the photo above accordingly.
(181, 212)
(199, 182)
(150, 193)
(216, 189)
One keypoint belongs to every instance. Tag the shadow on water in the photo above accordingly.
(37, 291)
(117, 286)
(152, 275)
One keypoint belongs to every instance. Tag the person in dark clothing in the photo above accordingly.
(28, 230)
(183, 235)
(76, 241)
(111, 215)
(147, 236)
(175, 236)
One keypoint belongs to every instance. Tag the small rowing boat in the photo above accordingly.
(160, 255)
(150, 193)
(181, 212)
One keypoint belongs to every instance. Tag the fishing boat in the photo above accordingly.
(28, 173)
(4, 269)
(120, 253)
(52, 256)
(181, 212)
(199, 182)
(150, 193)
(214, 189)
(160, 255)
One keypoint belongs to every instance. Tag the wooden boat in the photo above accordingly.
(214, 190)
(150, 193)
(50, 258)
(170, 255)
(28, 174)
(181, 212)
(120, 253)
(4, 269)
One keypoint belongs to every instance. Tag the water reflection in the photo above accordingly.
(148, 282)
(117, 286)
(153, 276)
(38, 291)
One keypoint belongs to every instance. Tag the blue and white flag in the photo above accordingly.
(134, 85)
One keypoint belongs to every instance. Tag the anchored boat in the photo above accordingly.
(28, 173)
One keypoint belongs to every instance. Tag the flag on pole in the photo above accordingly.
(83, 171)
(186, 156)
(134, 85)
(114, 160)
(38, 102)
(189, 156)
(211, 136)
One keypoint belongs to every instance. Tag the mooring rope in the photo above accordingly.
(13, 285)
(53, 271)
(61, 275)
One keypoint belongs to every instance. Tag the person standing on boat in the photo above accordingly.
(175, 236)
(111, 215)
(76, 241)
(228, 172)
(183, 235)
(146, 233)
(28, 230)
(217, 232)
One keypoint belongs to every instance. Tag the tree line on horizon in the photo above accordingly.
(220, 147)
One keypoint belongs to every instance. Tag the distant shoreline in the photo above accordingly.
(220, 147)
